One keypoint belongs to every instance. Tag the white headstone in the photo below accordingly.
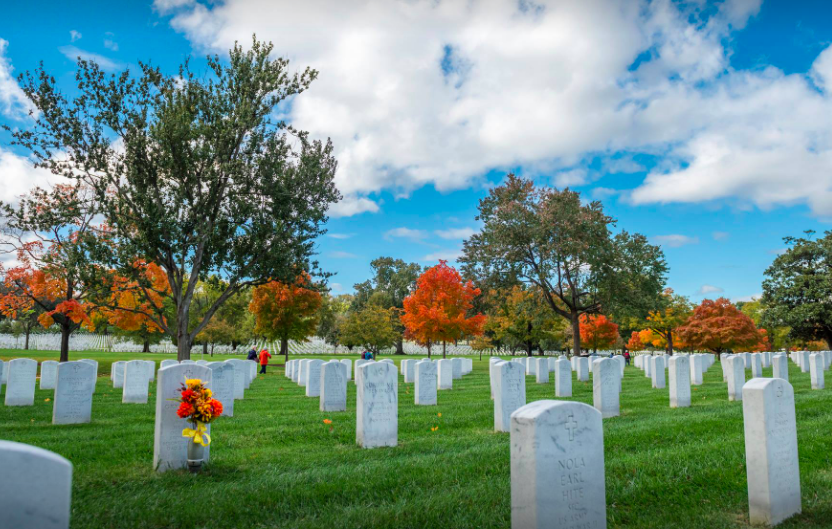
(135, 383)
(780, 366)
(166, 363)
(304, 363)
(347, 362)
(296, 372)
(377, 406)
(187, 362)
(48, 374)
(118, 374)
(222, 385)
(333, 383)
(445, 374)
(622, 363)
(756, 365)
(772, 464)
(456, 364)
(313, 378)
(202, 362)
(151, 370)
(36, 488)
(424, 389)
(20, 388)
(239, 378)
(605, 387)
(696, 370)
(73, 393)
(679, 384)
(647, 363)
(736, 377)
(542, 371)
(551, 363)
(583, 368)
(816, 364)
(409, 371)
(531, 366)
(509, 393)
(658, 372)
(169, 447)
(557, 466)
(94, 372)
(357, 372)
(724, 362)
(563, 378)
(804, 361)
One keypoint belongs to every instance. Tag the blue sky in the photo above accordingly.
(700, 125)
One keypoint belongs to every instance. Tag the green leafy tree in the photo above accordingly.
(191, 171)
(371, 327)
(797, 289)
(331, 316)
(550, 239)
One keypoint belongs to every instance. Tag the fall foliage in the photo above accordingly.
(597, 331)
(286, 311)
(635, 343)
(665, 321)
(437, 310)
(718, 326)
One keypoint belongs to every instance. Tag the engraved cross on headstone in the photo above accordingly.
(571, 426)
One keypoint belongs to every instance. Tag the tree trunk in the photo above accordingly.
(26, 346)
(443, 349)
(528, 348)
(576, 334)
(400, 346)
(284, 349)
(65, 332)
(183, 345)
(146, 346)
(428, 344)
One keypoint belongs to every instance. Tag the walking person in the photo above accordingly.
(264, 360)
(627, 357)
(252, 355)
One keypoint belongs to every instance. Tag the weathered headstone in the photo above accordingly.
(509, 394)
(445, 374)
(756, 365)
(73, 393)
(347, 362)
(679, 384)
(542, 371)
(425, 384)
(313, 378)
(816, 362)
(48, 374)
(780, 366)
(356, 373)
(605, 387)
(563, 378)
(222, 385)
(135, 383)
(658, 372)
(557, 466)
(169, 447)
(377, 406)
(736, 377)
(333, 383)
(35, 489)
(772, 464)
(583, 368)
(20, 388)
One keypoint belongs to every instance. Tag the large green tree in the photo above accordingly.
(797, 289)
(192, 171)
(550, 239)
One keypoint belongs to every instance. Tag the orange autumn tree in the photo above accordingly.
(598, 331)
(635, 343)
(437, 311)
(286, 311)
(674, 312)
(719, 326)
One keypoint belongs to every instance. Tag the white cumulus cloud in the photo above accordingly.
(674, 240)
(455, 233)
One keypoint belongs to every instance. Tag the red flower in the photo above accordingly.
(217, 406)
(188, 395)
(185, 410)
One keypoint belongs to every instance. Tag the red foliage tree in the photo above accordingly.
(437, 310)
(718, 326)
(286, 311)
(635, 344)
(597, 331)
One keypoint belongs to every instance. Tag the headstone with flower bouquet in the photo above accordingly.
(198, 407)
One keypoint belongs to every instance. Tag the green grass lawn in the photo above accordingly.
(276, 464)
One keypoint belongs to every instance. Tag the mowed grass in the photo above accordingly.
(276, 464)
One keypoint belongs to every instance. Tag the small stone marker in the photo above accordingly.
(509, 394)
(73, 393)
(48, 374)
(658, 372)
(444, 374)
(696, 370)
(563, 378)
(456, 364)
(347, 362)
(20, 388)
(36, 488)
(772, 464)
(736, 377)
(135, 383)
(425, 383)
(377, 406)
(816, 364)
(169, 447)
(756, 366)
(557, 466)
(313, 378)
(222, 385)
(542, 371)
(780, 366)
(605, 387)
(583, 368)
(679, 375)
(333, 383)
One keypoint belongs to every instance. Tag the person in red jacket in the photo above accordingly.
(264, 360)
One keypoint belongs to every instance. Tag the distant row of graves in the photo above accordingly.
(557, 450)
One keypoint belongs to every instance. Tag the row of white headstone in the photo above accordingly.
(377, 389)
(557, 459)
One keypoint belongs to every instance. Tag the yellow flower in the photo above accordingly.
(46, 400)
(327, 421)
(439, 415)
(434, 428)
(207, 393)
